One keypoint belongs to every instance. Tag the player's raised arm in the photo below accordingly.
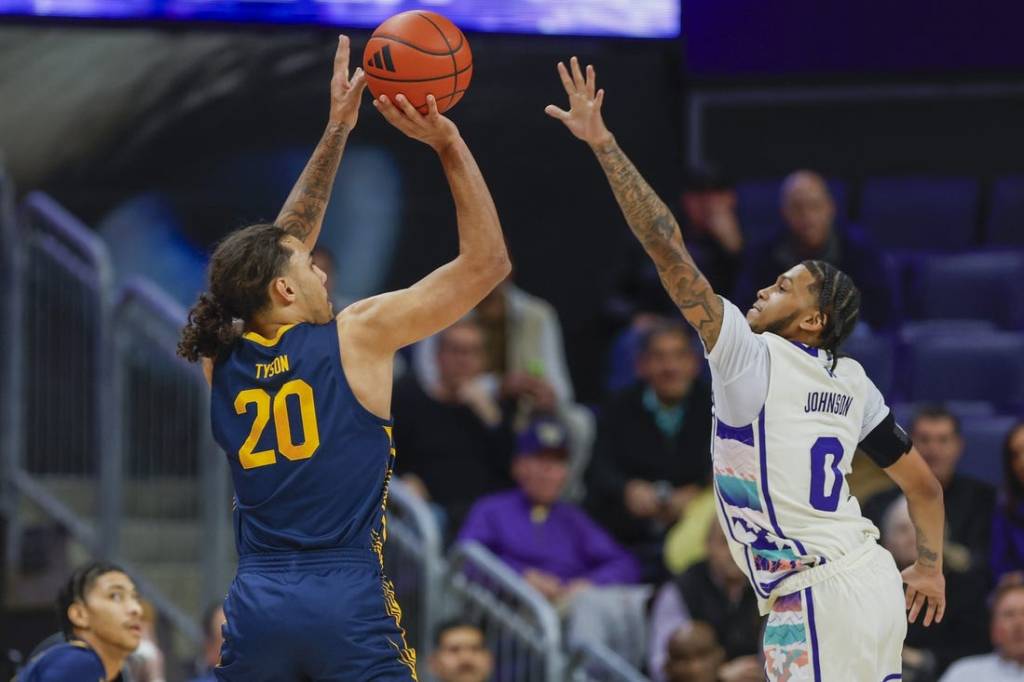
(303, 211)
(648, 216)
(399, 318)
(925, 582)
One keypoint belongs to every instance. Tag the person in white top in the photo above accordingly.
(1006, 663)
(789, 414)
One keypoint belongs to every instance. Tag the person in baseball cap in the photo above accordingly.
(553, 544)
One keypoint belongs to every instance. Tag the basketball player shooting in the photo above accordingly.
(301, 400)
(789, 414)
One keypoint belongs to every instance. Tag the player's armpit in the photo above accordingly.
(396, 319)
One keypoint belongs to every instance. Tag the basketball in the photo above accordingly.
(419, 53)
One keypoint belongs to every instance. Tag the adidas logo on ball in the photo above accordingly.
(382, 59)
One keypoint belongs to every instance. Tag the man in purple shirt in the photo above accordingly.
(554, 545)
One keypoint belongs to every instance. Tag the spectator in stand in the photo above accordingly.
(460, 653)
(552, 544)
(969, 503)
(453, 437)
(213, 638)
(809, 213)
(710, 226)
(695, 655)
(525, 366)
(1008, 521)
(101, 619)
(522, 345)
(714, 592)
(651, 454)
(1006, 663)
(928, 651)
(969, 506)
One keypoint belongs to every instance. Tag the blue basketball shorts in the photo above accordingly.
(318, 616)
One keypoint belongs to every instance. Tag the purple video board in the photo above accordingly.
(621, 18)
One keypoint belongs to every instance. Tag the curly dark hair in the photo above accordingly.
(838, 300)
(242, 267)
(75, 589)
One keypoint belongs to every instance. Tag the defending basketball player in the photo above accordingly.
(789, 414)
(301, 400)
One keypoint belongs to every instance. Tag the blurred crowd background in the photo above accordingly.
(564, 427)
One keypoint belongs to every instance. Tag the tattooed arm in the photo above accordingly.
(924, 579)
(303, 211)
(648, 216)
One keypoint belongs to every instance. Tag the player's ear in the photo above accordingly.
(814, 322)
(78, 615)
(282, 290)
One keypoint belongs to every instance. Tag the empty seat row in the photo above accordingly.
(958, 360)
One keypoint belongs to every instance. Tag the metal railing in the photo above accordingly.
(106, 431)
(10, 344)
(61, 412)
(522, 628)
(594, 662)
(414, 562)
(173, 489)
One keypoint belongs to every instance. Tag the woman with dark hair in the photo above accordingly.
(1008, 520)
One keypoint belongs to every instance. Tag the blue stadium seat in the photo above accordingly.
(875, 353)
(914, 330)
(982, 285)
(758, 206)
(985, 366)
(920, 212)
(1006, 218)
(983, 447)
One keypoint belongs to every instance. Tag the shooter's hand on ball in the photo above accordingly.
(584, 116)
(346, 92)
(433, 129)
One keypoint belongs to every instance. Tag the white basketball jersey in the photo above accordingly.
(780, 481)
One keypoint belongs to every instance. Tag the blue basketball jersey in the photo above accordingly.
(74, 660)
(310, 464)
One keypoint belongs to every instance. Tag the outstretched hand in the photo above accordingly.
(584, 116)
(346, 92)
(433, 129)
(925, 585)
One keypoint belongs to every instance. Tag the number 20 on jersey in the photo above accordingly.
(278, 405)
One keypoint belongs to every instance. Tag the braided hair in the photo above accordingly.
(241, 269)
(839, 302)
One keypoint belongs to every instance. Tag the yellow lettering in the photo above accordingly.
(265, 370)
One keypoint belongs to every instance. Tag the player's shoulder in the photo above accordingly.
(69, 661)
(850, 366)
